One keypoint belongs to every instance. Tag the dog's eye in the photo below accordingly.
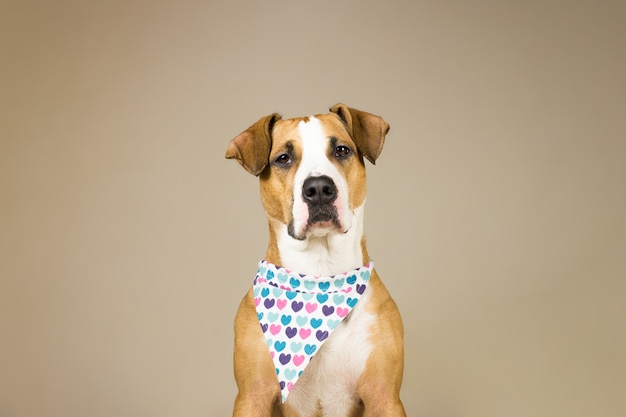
(283, 159)
(342, 151)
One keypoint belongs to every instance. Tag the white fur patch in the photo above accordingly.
(315, 163)
(327, 255)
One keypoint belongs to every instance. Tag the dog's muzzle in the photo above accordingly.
(320, 193)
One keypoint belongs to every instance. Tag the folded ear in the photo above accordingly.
(367, 130)
(252, 146)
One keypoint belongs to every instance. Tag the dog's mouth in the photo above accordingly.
(321, 220)
(322, 215)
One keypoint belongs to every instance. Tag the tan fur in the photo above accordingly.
(378, 386)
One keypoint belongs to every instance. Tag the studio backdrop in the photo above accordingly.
(495, 213)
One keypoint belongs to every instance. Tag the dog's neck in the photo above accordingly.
(327, 255)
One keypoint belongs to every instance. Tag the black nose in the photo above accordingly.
(319, 190)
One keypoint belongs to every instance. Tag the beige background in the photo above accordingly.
(495, 213)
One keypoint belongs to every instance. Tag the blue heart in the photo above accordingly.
(285, 320)
(296, 346)
(260, 315)
(301, 320)
(307, 296)
(339, 282)
(352, 301)
(290, 373)
(295, 283)
(332, 324)
(256, 291)
(309, 285)
(270, 274)
(351, 279)
(277, 292)
(265, 292)
(282, 277)
(279, 346)
(272, 317)
(315, 323)
(322, 298)
(365, 275)
(324, 285)
(310, 349)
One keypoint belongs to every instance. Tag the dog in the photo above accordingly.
(318, 333)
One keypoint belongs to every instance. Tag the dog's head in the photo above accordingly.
(311, 169)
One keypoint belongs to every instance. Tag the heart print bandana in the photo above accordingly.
(297, 313)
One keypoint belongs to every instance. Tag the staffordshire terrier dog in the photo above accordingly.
(317, 334)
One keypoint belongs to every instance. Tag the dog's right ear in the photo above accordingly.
(252, 146)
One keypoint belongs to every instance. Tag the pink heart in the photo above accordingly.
(272, 354)
(298, 359)
(304, 333)
(281, 304)
(260, 279)
(289, 386)
(274, 329)
(347, 289)
(257, 301)
(311, 307)
(342, 312)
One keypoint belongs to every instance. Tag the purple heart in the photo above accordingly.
(282, 385)
(321, 335)
(328, 310)
(297, 305)
(264, 327)
(360, 288)
(291, 331)
(269, 302)
(284, 358)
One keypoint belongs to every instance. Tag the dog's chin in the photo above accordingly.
(322, 228)
(318, 227)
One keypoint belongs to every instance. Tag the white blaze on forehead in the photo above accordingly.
(314, 163)
(314, 147)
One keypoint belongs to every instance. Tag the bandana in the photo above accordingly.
(297, 313)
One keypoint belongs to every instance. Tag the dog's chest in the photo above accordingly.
(328, 387)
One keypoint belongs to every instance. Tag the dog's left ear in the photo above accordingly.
(367, 130)
(252, 146)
